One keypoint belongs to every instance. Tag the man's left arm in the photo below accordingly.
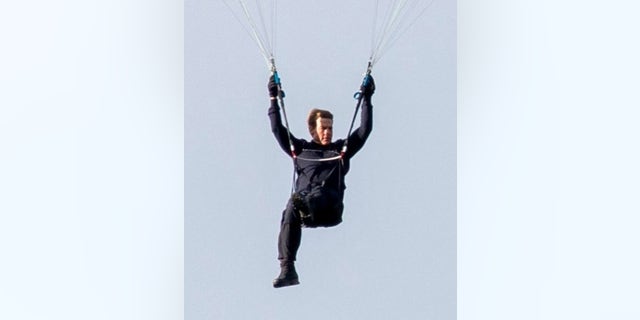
(360, 135)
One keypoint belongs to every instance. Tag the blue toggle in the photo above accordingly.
(366, 80)
(276, 78)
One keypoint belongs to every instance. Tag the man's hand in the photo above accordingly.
(273, 87)
(368, 86)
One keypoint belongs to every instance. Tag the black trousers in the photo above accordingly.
(291, 226)
(290, 233)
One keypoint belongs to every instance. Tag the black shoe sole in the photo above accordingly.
(279, 283)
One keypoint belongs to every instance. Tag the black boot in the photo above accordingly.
(288, 275)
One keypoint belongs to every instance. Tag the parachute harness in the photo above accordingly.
(399, 16)
(280, 97)
(358, 96)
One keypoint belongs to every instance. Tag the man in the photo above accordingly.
(320, 166)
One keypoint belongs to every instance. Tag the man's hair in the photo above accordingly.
(314, 114)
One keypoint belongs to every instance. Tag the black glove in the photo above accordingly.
(368, 86)
(273, 87)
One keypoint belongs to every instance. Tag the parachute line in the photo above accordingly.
(391, 20)
(399, 17)
(235, 15)
(255, 23)
(266, 38)
(274, 27)
(254, 29)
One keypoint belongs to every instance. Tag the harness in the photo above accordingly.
(321, 178)
(339, 156)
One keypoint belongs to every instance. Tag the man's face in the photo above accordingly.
(324, 130)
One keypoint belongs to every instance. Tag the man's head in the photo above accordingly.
(320, 124)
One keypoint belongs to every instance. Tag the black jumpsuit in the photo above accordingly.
(320, 182)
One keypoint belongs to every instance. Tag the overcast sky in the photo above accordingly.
(394, 256)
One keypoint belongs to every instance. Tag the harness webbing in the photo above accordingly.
(280, 98)
(322, 180)
(358, 95)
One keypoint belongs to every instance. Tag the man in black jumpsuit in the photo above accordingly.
(320, 167)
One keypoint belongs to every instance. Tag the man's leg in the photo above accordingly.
(288, 244)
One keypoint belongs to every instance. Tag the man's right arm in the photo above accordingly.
(279, 131)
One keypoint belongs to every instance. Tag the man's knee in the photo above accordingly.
(327, 217)
(290, 214)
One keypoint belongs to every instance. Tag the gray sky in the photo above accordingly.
(394, 256)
